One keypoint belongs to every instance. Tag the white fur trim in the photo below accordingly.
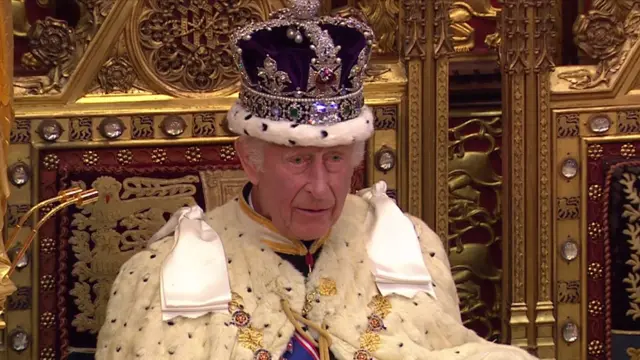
(347, 132)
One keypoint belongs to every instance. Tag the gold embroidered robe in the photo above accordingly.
(345, 302)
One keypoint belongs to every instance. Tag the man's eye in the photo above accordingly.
(336, 157)
(297, 160)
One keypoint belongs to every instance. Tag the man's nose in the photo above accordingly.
(318, 184)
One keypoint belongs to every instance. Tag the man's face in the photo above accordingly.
(303, 189)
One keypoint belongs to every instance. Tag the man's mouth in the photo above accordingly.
(313, 211)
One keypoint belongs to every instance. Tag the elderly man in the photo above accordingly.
(295, 267)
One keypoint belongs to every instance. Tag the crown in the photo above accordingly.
(300, 68)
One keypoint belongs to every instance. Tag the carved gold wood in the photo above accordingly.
(463, 34)
(593, 107)
(114, 72)
(6, 118)
(527, 59)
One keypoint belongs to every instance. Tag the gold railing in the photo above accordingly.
(66, 198)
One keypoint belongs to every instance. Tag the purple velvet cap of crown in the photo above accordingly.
(295, 58)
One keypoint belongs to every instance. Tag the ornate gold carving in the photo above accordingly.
(461, 12)
(220, 186)
(21, 131)
(569, 292)
(629, 121)
(20, 300)
(514, 38)
(6, 123)
(183, 46)
(568, 125)
(21, 23)
(442, 48)
(386, 117)
(442, 44)
(471, 172)
(15, 212)
(81, 129)
(415, 40)
(59, 48)
(518, 190)
(117, 75)
(607, 34)
(414, 137)
(383, 18)
(568, 208)
(204, 124)
(142, 127)
(137, 205)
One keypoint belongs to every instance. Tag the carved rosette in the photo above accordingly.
(52, 42)
(599, 35)
(116, 75)
(182, 46)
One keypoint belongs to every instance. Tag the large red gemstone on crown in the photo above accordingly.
(325, 76)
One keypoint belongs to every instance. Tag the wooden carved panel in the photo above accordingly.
(475, 220)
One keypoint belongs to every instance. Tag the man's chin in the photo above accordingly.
(311, 234)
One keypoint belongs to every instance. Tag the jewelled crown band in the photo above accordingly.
(301, 68)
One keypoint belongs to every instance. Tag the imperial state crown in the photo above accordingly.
(302, 78)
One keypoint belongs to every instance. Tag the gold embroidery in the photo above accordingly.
(235, 303)
(633, 232)
(327, 287)
(107, 233)
(250, 338)
(370, 339)
(634, 354)
(380, 305)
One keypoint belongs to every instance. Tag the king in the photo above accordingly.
(295, 267)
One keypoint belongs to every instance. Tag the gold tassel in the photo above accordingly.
(323, 345)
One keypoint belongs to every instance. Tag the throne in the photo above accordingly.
(107, 98)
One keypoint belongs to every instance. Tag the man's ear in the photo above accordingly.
(250, 169)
